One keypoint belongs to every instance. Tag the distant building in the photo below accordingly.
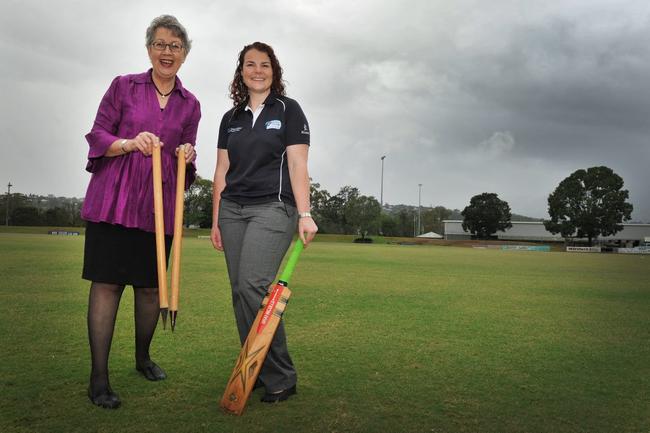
(632, 234)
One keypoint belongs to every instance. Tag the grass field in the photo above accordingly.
(386, 338)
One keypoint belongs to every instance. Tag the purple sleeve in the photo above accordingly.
(102, 135)
(189, 136)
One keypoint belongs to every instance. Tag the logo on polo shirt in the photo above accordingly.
(273, 124)
(236, 129)
(305, 129)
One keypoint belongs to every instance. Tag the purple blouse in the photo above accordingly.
(121, 187)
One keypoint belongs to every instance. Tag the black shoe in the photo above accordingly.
(279, 396)
(151, 371)
(107, 399)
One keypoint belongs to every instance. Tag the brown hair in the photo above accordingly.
(238, 90)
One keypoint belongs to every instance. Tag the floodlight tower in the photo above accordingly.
(9, 185)
(419, 208)
(381, 199)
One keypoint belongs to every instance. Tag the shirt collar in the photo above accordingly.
(145, 78)
(259, 108)
(270, 100)
(255, 113)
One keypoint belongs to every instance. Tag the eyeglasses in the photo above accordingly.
(174, 47)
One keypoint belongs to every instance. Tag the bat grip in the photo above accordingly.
(291, 263)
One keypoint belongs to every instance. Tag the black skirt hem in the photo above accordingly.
(115, 254)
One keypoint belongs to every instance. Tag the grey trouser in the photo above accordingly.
(255, 239)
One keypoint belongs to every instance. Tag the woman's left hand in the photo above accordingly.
(190, 153)
(307, 229)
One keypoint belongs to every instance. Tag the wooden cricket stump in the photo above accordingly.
(160, 233)
(178, 236)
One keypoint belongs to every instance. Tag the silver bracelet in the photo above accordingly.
(304, 215)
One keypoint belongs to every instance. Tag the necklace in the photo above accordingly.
(164, 95)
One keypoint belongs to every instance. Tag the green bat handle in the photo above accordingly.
(291, 263)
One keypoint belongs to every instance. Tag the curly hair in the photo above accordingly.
(238, 90)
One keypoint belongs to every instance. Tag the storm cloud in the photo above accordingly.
(463, 97)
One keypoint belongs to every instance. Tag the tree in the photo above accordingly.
(432, 219)
(388, 225)
(362, 213)
(26, 216)
(486, 214)
(589, 203)
(75, 213)
(338, 208)
(325, 215)
(198, 203)
(50, 210)
(57, 216)
(317, 197)
(405, 220)
(14, 201)
(330, 210)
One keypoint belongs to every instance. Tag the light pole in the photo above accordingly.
(381, 199)
(419, 201)
(9, 185)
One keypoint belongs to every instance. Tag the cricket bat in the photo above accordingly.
(257, 344)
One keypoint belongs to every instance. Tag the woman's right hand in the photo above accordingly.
(145, 141)
(215, 237)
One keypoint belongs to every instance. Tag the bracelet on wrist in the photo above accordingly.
(122, 143)
(304, 215)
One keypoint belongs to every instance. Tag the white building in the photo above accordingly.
(535, 231)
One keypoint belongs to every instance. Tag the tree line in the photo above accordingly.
(39, 210)
(587, 204)
(346, 212)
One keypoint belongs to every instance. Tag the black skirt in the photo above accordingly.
(118, 255)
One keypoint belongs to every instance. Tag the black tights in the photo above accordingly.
(103, 302)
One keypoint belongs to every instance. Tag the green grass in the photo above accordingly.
(190, 233)
(386, 338)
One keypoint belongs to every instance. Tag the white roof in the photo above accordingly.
(431, 235)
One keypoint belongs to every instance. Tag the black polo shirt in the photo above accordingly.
(258, 170)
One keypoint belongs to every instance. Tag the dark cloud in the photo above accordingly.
(461, 96)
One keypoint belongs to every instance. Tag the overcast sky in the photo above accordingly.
(463, 97)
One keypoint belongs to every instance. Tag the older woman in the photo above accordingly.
(261, 192)
(137, 112)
